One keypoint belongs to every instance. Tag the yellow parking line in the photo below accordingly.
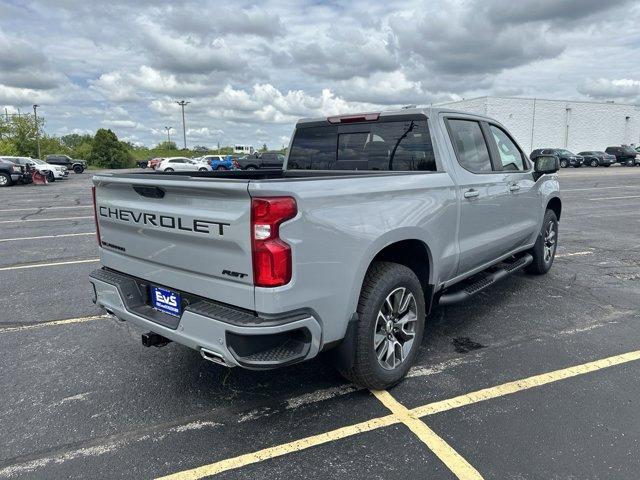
(53, 264)
(429, 409)
(524, 384)
(452, 459)
(46, 219)
(279, 450)
(54, 322)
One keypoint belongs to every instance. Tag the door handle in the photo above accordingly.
(471, 193)
(514, 187)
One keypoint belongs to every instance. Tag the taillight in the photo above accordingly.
(272, 263)
(95, 214)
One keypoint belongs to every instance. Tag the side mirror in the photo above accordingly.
(546, 164)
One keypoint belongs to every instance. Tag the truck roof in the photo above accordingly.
(428, 111)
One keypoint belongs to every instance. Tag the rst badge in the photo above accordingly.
(166, 301)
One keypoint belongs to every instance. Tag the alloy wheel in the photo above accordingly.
(550, 237)
(395, 328)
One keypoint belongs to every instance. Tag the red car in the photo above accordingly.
(154, 162)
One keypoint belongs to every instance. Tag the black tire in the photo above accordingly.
(203, 169)
(541, 263)
(594, 163)
(5, 180)
(250, 167)
(78, 169)
(630, 163)
(382, 279)
(607, 165)
(51, 177)
(222, 167)
(564, 164)
(168, 170)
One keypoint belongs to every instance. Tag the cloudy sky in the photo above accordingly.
(251, 69)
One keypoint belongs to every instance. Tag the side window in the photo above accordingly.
(470, 145)
(510, 155)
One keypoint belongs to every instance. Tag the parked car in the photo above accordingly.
(154, 162)
(266, 271)
(597, 158)
(567, 159)
(181, 164)
(221, 162)
(78, 166)
(262, 160)
(51, 172)
(142, 163)
(11, 173)
(625, 155)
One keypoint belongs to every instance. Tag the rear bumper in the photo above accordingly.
(222, 334)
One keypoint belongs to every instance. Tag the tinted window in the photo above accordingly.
(393, 145)
(313, 148)
(510, 155)
(470, 145)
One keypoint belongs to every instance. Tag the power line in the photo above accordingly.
(182, 104)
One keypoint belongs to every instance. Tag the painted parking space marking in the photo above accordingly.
(599, 188)
(452, 459)
(47, 236)
(615, 198)
(43, 208)
(574, 254)
(425, 410)
(279, 450)
(525, 384)
(47, 219)
(51, 323)
(53, 264)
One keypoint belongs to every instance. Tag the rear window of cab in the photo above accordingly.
(398, 145)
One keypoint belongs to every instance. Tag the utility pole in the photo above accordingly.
(168, 129)
(182, 103)
(35, 117)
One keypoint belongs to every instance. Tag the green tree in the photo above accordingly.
(74, 140)
(7, 147)
(167, 146)
(108, 152)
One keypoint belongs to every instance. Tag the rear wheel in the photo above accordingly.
(544, 251)
(391, 313)
(168, 170)
(5, 180)
(564, 164)
(594, 163)
(630, 163)
(222, 167)
(203, 169)
(78, 169)
(250, 167)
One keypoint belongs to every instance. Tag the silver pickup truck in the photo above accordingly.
(375, 219)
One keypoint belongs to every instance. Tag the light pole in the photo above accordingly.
(35, 117)
(168, 129)
(182, 103)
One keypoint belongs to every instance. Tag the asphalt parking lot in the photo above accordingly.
(535, 378)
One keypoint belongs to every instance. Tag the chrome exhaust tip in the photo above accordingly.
(212, 356)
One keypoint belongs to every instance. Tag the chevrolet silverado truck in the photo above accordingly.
(374, 219)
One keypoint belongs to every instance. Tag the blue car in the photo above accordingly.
(221, 162)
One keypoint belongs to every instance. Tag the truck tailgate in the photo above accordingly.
(190, 234)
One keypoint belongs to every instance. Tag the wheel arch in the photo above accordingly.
(555, 204)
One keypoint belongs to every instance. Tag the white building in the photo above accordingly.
(574, 125)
